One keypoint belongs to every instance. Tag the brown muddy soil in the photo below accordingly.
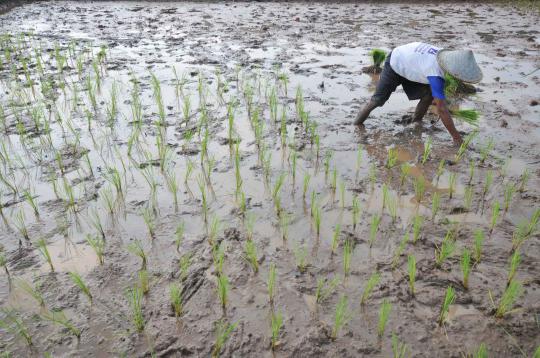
(222, 52)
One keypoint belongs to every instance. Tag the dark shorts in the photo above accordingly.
(388, 82)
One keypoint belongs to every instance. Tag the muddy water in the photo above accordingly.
(322, 48)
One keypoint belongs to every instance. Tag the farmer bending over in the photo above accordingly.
(420, 68)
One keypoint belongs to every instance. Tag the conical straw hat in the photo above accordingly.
(460, 64)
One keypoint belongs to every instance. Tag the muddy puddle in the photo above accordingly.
(152, 145)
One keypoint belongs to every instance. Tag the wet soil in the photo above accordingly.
(229, 47)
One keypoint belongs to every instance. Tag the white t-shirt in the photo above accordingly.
(416, 62)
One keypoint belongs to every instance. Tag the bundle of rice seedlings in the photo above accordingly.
(378, 56)
(469, 116)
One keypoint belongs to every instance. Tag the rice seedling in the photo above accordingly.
(392, 159)
(347, 254)
(20, 224)
(405, 171)
(399, 250)
(284, 220)
(3, 263)
(32, 291)
(509, 190)
(79, 282)
(513, 291)
(384, 196)
(399, 349)
(487, 186)
(372, 174)
(156, 88)
(250, 251)
(427, 150)
(411, 269)
(276, 322)
(435, 202)
(393, 206)
(333, 184)
(417, 223)
(31, 201)
(472, 168)
(41, 246)
(112, 107)
(185, 263)
(335, 238)
(175, 297)
(223, 332)
(172, 185)
(136, 249)
(524, 178)
(449, 299)
(372, 282)
(467, 197)
(384, 314)
(495, 211)
(341, 316)
(317, 215)
(14, 324)
(149, 220)
(305, 187)
(186, 108)
(204, 202)
(419, 189)
(486, 149)
(223, 289)
(445, 250)
(134, 297)
(359, 158)
(466, 142)
(515, 260)
(465, 267)
(451, 184)
(300, 254)
(482, 352)
(374, 228)
(271, 282)
(378, 56)
(478, 243)
(325, 288)
(215, 226)
(326, 163)
(355, 211)
(60, 318)
(98, 245)
(342, 193)
(144, 281)
(95, 222)
(218, 255)
(179, 235)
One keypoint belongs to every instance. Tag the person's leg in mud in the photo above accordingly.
(388, 82)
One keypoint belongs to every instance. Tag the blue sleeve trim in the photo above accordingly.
(437, 86)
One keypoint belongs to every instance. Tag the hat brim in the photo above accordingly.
(464, 70)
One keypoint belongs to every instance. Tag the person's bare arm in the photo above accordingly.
(444, 113)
